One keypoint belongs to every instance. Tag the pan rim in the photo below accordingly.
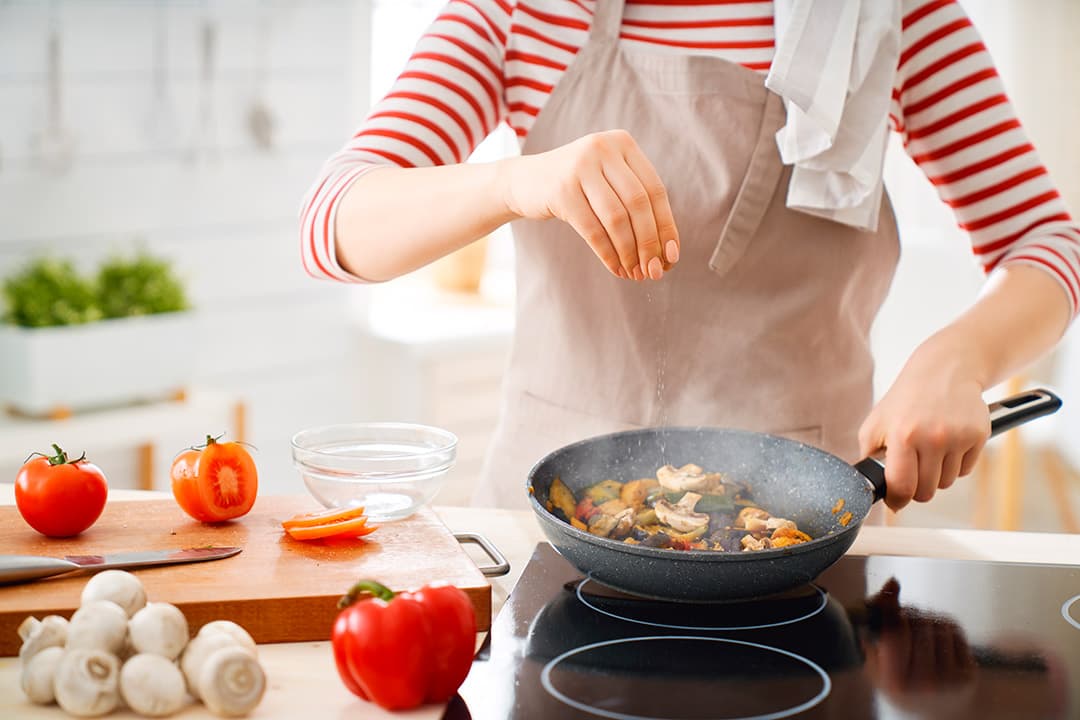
(695, 555)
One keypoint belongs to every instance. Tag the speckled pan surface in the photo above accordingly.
(787, 478)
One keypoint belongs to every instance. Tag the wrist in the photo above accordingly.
(962, 359)
(504, 176)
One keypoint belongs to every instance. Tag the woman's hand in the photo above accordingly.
(607, 190)
(933, 423)
(922, 662)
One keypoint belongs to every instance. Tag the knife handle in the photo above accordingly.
(19, 568)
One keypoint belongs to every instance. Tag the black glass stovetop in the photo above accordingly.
(877, 637)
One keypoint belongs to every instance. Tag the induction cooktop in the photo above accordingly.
(873, 637)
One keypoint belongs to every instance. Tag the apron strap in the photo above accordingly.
(607, 20)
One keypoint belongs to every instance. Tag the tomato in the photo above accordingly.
(60, 497)
(215, 482)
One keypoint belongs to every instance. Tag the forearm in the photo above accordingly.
(394, 220)
(1020, 315)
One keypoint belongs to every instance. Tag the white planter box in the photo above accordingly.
(79, 367)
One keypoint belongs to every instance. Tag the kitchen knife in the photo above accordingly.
(20, 568)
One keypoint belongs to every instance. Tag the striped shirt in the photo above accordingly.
(483, 62)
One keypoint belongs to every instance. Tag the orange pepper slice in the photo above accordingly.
(323, 517)
(352, 527)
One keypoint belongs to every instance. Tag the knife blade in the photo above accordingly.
(21, 568)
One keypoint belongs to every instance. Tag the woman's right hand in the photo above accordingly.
(604, 187)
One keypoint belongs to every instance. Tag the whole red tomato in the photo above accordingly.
(400, 651)
(215, 482)
(59, 497)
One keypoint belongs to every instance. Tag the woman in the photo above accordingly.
(695, 248)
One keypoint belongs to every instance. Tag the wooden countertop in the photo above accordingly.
(302, 678)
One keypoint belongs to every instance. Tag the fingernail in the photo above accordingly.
(638, 275)
(656, 269)
(672, 250)
(621, 273)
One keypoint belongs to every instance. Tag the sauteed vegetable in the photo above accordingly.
(681, 508)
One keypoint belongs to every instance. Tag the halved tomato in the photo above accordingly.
(215, 482)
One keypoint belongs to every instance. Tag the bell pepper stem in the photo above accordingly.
(365, 587)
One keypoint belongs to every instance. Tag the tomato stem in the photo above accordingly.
(61, 457)
(365, 587)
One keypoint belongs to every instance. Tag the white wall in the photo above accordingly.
(160, 156)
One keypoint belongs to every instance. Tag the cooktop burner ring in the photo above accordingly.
(822, 596)
(1066, 606)
(545, 677)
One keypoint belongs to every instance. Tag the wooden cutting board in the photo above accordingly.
(279, 589)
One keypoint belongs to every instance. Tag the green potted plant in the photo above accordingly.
(71, 342)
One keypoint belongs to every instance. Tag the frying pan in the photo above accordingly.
(788, 478)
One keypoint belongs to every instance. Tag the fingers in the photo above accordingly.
(931, 456)
(627, 203)
(950, 469)
(901, 474)
(962, 655)
(919, 463)
(945, 662)
(971, 457)
(895, 655)
(635, 199)
(667, 232)
(579, 214)
(610, 209)
(922, 671)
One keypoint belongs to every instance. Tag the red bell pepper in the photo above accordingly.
(400, 651)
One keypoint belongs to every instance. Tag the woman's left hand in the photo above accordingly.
(933, 423)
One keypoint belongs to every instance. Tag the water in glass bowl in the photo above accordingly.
(390, 479)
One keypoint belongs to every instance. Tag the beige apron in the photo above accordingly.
(762, 325)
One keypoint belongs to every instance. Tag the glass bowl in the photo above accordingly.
(389, 468)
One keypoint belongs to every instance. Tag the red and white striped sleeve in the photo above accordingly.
(958, 125)
(445, 102)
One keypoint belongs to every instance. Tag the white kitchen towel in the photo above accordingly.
(834, 66)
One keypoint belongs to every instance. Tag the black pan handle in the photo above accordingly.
(1005, 414)
(1020, 408)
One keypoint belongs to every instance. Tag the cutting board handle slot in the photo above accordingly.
(501, 566)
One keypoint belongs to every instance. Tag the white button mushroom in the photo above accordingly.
(159, 628)
(199, 650)
(86, 682)
(38, 674)
(231, 681)
(152, 685)
(40, 634)
(775, 523)
(121, 587)
(690, 477)
(681, 515)
(229, 628)
(99, 624)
